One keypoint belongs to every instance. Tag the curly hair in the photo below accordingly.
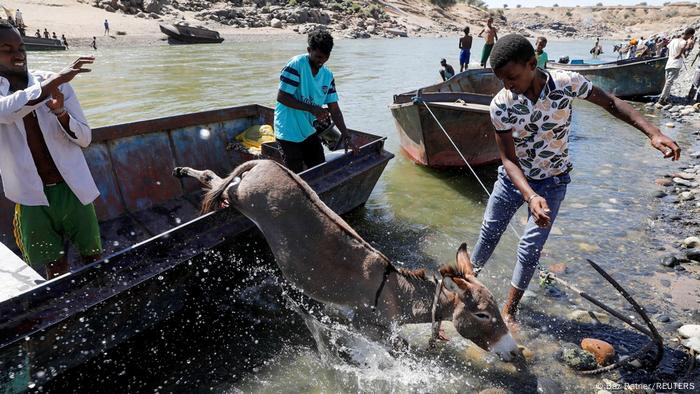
(322, 40)
(511, 48)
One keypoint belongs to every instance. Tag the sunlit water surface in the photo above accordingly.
(416, 215)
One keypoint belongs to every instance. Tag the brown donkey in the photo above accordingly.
(320, 253)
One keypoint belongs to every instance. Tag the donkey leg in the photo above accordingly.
(206, 177)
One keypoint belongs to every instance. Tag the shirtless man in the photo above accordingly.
(491, 38)
(465, 47)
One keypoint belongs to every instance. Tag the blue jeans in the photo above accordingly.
(503, 203)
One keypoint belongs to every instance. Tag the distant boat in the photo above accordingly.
(42, 44)
(629, 78)
(185, 34)
(461, 104)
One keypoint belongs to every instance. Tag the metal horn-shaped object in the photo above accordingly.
(649, 330)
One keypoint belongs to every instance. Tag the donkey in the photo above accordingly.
(320, 253)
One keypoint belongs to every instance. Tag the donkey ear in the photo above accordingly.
(452, 284)
(464, 262)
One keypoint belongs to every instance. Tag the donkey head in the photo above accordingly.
(476, 315)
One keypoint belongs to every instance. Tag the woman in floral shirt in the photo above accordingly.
(532, 118)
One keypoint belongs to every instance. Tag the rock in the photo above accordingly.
(684, 175)
(527, 353)
(603, 352)
(670, 261)
(153, 5)
(686, 111)
(660, 194)
(673, 109)
(684, 182)
(109, 8)
(692, 343)
(670, 125)
(371, 29)
(658, 106)
(558, 268)
(686, 196)
(695, 155)
(576, 358)
(589, 317)
(691, 242)
(689, 331)
(667, 107)
(663, 182)
(693, 254)
(679, 268)
(663, 318)
(276, 23)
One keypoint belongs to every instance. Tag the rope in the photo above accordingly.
(510, 224)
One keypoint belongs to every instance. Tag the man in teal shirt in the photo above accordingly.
(305, 86)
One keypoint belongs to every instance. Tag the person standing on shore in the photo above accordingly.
(532, 118)
(306, 84)
(447, 70)
(491, 38)
(540, 54)
(94, 43)
(65, 42)
(19, 19)
(674, 63)
(106, 27)
(44, 172)
(465, 47)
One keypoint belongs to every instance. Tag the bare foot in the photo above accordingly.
(511, 322)
(442, 336)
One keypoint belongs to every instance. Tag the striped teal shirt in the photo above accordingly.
(297, 79)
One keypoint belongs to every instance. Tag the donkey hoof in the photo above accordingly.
(179, 172)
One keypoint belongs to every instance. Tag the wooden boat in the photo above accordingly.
(185, 34)
(150, 225)
(42, 44)
(629, 78)
(461, 104)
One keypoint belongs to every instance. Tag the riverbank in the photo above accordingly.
(136, 21)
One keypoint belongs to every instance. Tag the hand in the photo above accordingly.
(540, 210)
(667, 146)
(55, 103)
(68, 73)
(349, 144)
(321, 113)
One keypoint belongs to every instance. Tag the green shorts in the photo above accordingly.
(485, 53)
(40, 231)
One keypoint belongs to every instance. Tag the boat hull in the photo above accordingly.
(190, 35)
(42, 44)
(151, 226)
(625, 78)
(461, 105)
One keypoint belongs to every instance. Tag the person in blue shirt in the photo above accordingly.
(306, 85)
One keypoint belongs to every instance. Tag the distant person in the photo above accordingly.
(44, 172)
(106, 27)
(65, 42)
(532, 125)
(540, 54)
(662, 48)
(465, 47)
(447, 71)
(54, 36)
(37, 34)
(597, 49)
(674, 63)
(94, 43)
(46, 33)
(306, 85)
(632, 51)
(11, 20)
(650, 48)
(491, 38)
(19, 19)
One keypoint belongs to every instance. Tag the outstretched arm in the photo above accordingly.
(623, 111)
(481, 32)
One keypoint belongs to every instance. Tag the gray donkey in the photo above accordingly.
(320, 253)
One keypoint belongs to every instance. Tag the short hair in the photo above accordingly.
(466, 29)
(6, 25)
(322, 40)
(689, 31)
(541, 38)
(443, 60)
(511, 48)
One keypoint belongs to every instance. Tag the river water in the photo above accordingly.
(416, 215)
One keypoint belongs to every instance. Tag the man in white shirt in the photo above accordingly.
(42, 131)
(674, 63)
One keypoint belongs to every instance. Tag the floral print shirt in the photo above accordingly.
(541, 129)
